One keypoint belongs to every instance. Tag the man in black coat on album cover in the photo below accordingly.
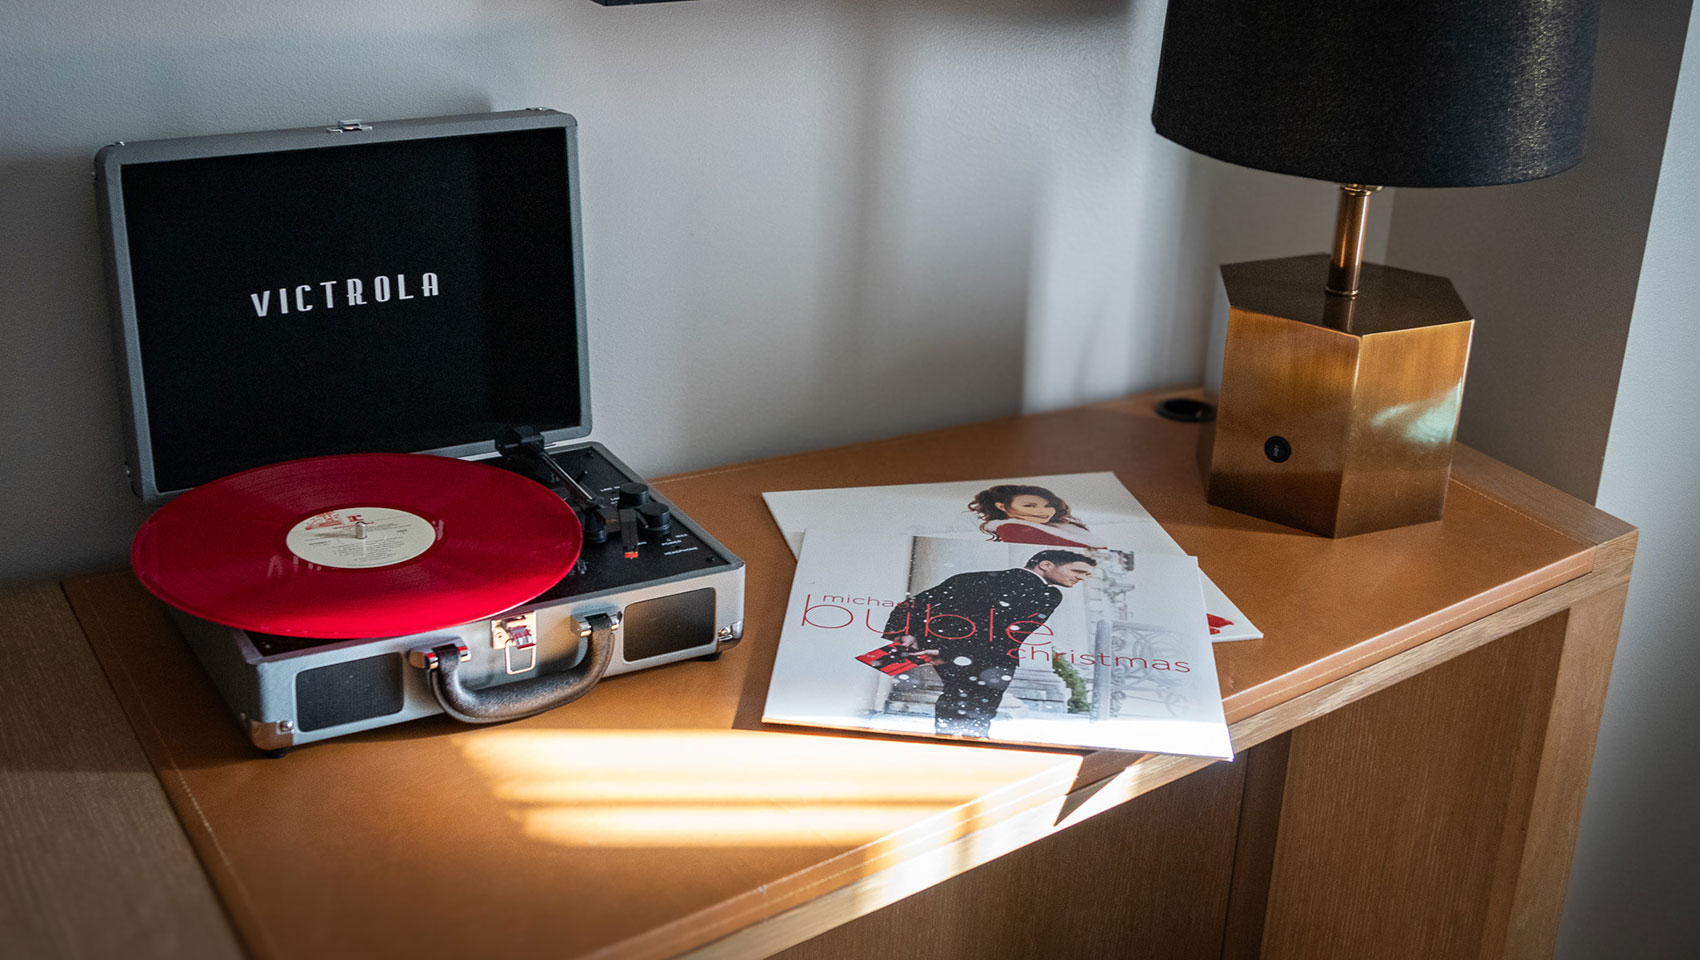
(972, 626)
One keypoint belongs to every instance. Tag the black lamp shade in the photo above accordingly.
(1403, 93)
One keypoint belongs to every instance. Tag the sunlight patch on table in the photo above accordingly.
(725, 826)
(692, 788)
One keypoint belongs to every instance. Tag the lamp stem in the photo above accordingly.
(1348, 258)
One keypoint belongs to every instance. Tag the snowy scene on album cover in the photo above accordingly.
(1042, 644)
(1059, 510)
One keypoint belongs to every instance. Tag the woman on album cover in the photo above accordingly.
(1023, 513)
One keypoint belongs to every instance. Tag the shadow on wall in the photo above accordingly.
(64, 502)
(969, 190)
(1121, 266)
(879, 274)
(58, 398)
(1003, 170)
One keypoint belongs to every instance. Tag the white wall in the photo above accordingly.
(1637, 867)
(807, 222)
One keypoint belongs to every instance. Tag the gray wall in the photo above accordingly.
(808, 221)
(1549, 267)
(1637, 867)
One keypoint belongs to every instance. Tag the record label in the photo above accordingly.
(355, 538)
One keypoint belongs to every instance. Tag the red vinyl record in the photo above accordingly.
(364, 545)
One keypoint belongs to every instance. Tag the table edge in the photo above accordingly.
(870, 893)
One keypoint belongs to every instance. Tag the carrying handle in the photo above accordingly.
(515, 701)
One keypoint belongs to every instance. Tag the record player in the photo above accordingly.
(313, 327)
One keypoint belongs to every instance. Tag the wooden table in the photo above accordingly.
(1414, 737)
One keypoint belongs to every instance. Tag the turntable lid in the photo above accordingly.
(387, 287)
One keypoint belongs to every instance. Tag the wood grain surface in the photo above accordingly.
(1140, 882)
(1535, 868)
(1327, 607)
(1245, 901)
(1396, 808)
(92, 861)
(1437, 818)
(659, 815)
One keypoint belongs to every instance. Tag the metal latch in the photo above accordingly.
(508, 634)
(348, 126)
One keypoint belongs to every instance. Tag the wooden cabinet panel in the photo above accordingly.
(1147, 879)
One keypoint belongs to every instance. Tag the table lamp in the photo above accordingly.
(1341, 380)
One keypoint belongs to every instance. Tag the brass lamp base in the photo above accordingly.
(1337, 414)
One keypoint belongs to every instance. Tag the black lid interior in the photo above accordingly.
(399, 295)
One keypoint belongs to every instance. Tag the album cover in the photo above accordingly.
(1073, 646)
(1059, 510)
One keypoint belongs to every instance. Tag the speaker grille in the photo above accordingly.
(340, 693)
(669, 624)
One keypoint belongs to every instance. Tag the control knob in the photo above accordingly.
(633, 494)
(654, 519)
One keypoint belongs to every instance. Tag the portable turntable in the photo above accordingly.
(336, 340)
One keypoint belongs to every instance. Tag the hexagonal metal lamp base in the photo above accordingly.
(1337, 415)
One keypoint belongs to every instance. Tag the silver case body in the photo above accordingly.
(261, 689)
